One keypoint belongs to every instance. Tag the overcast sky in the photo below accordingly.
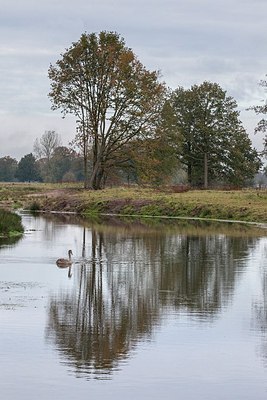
(189, 41)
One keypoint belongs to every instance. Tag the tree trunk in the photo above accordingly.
(97, 176)
(205, 171)
(85, 171)
(99, 179)
(189, 173)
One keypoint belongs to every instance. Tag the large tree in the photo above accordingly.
(112, 95)
(212, 135)
(154, 158)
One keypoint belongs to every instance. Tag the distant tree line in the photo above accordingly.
(58, 164)
(132, 128)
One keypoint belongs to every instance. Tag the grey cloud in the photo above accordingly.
(188, 40)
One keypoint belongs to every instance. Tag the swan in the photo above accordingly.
(64, 262)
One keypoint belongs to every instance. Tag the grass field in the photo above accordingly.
(244, 205)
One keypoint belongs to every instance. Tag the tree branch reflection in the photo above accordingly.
(129, 280)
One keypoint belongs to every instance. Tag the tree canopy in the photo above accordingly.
(44, 149)
(214, 145)
(28, 169)
(8, 167)
(46, 145)
(114, 97)
(262, 110)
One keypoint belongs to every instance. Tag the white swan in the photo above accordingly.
(64, 262)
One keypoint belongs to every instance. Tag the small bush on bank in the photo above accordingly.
(10, 223)
(35, 206)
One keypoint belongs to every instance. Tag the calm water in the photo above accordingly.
(148, 310)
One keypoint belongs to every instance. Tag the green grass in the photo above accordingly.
(10, 224)
(244, 205)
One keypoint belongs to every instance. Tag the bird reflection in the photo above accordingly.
(66, 263)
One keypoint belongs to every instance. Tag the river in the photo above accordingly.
(149, 309)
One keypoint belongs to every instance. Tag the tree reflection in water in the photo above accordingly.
(98, 323)
(133, 278)
(259, 316)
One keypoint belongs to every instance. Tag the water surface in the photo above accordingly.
(147, 310)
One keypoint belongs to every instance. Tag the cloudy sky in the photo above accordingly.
(189, 41)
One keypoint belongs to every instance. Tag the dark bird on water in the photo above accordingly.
(65, 262)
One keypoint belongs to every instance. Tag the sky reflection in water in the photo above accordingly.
(148, 310)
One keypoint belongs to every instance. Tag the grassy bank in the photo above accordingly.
(10, 224)
(233, 205)
(243, 205)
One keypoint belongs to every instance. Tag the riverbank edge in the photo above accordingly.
(248, 205)
(242, 206)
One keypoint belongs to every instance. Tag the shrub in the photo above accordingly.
(35, 206)
(10, 223)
